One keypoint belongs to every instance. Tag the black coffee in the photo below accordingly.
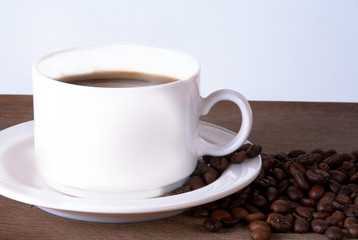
(118, 79)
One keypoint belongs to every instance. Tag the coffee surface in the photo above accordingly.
(119, 79)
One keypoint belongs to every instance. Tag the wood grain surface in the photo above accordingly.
(278, 126)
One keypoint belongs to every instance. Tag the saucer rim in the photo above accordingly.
(59, 201)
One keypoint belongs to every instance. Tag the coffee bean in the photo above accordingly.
(307, 202)
(253, 151)
(302, 212)
(229, 222)
(319, 226)
(294, 193)
(348, 157)
(262, 174)
(220, 164)
(329, 196)
(354, 178)
(281, 223)
(335, 221)
(345, 190)
(196, 182)
(237, 202)
(267, 162)
(316, 192)
(309, 158)
(353, 230)
(212, 224)
(279, 174)
(220, 213)
(258, 216)
(339, 206)
(320, 215)
(251, 208)
(261, 182)
(260, 234)
(333, 161)
(283, 185)
(343, 199)
(199, 212)
(301, 226)
(325, 206)
(349, 168)
(349, 221)
(286, 166)
(238, 157)
(228, 156)
(351, 211)
(202, 168)
(280, 206)
(272, 181)
(271, 194)
(295, 153)
(239, 212)
(281, 156)
(244, 147)
(334, 233)
(258, 200)
(317, 176)
(210, 176)
(300, 179)
(318, 150)
(293, 204)
(337, 176)
(339, 214)
(258, 224)
(329, 153)
(333, 185)
(324, 167)
(299, 166)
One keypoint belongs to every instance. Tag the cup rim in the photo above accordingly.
(37, 69)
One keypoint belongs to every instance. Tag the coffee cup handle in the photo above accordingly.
(206, 148)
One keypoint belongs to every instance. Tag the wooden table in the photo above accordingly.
(278, 126)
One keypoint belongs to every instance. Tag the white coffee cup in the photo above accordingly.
(123, 143)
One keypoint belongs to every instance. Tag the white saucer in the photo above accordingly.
(20, 181)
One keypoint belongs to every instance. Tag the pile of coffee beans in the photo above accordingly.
(296, 192)
(210, 168)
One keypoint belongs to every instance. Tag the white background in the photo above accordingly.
(291, 50)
